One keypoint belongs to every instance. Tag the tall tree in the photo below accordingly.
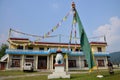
(3, 47)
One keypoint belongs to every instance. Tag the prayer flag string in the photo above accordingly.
(55, 27)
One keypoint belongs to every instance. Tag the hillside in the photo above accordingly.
(115, 57)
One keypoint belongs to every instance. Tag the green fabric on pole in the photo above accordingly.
(84, 43)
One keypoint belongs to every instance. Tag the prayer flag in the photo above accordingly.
(85, 43)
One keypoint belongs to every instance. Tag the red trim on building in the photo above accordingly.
(98, 43)
(55, 42)
(67, 43)
(18, 38)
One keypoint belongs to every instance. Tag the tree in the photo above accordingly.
(3, 47)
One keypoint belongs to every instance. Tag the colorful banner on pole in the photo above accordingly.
(84, 42)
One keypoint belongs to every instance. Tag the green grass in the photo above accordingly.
(11, 73)
(79, 76)
(43, 77)
(92, 76)
(15, 73)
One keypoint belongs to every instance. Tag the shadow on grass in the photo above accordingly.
(74, 77)
(78, 76)
(29, 71)
(115, 73)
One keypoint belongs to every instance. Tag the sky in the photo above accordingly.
(98, 17)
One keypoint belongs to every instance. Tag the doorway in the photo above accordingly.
(42, 62)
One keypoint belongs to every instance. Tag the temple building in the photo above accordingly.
(42, 54)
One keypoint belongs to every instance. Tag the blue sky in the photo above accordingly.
(99, 17)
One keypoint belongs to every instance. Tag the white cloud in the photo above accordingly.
(112, 32)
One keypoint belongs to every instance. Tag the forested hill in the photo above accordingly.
(115, 57)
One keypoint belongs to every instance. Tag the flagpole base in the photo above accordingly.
(99, 76)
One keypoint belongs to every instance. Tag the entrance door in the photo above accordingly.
(2, 66)
(42, 62)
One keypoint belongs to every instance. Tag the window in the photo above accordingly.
(29, 56)
(15, 63)
(19, 47)
(16, 57)
(77, 49)
(29, 60)
(72, 63)
(30, 48)
(85, 63)
(101, 63)
(99, 49)
(41, 48)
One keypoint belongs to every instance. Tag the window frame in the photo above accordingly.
(99, 49)
(101, 63)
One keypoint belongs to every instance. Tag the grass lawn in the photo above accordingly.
(15, 73)
(78, 76)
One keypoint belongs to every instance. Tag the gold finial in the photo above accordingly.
(73, 5)
(73, 8)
